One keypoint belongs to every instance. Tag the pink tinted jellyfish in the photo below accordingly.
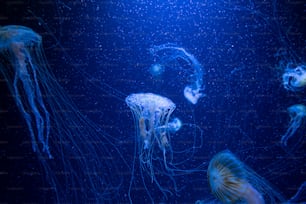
(151, 115)
(294, 79)
(297, 114)
(232, 181)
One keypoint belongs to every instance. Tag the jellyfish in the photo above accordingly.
(170, 53)
(73, 151)
(297, 114)
(15, 42)
(232, 181)
(157, 70)
(153, 126)
(294, 79)
(174, 125)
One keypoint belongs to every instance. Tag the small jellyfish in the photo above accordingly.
(157, 70)
(294, 79)
(297, 114)
(152, 114)
(168, 53)
(173, 126)
(232, 181)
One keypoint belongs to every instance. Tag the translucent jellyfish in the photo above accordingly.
(232, 181)
(151, 115)
(297, 114)
(174, 125)
(74, 152)
(16, 43)
(294, 79)
(169, 53)
(157, 70)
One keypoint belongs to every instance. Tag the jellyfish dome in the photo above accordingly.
(294, 79)
(157, 70)
(231, 181)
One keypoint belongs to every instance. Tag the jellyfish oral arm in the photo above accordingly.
(144, 133)
(252, 196)
(192, 95)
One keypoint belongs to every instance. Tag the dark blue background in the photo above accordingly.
(243, 47)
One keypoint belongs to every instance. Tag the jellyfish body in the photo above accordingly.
(15, 44)
(151, 115)
(297, 114)
(231, 181)
(168, 53)
(294, 79)
(174, 125)
(157, 70)
(79, 170)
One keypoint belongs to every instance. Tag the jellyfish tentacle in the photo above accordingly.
(24, 113)
(39, 98)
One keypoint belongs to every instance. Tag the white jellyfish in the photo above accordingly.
(294, 79)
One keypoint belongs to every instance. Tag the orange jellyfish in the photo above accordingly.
(232, 181)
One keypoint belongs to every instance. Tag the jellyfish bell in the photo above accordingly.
(192, 95)
(175, 125)
(297, 110)
(294, 79)
(231, 181)
(157, 70)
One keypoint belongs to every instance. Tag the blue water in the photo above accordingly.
(99, 51)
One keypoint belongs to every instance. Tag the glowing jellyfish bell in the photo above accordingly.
(297, 114)
(157, 69)
(232, 181)
(168, 53)
(174, 125)
(294, 79)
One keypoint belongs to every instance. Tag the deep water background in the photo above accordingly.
(99, 52)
